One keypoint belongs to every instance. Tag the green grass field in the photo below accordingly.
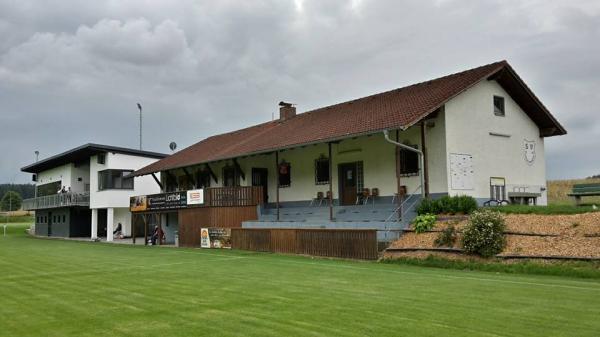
(65, 288)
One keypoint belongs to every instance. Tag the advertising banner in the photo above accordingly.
(165, 201)
(215, 237)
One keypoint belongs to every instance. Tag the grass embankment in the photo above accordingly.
(580, 269)
(545, 210)
(67, 288)
(558, 190)
(15, 218)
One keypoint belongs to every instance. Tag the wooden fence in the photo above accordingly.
(233, 196)
(344, 243)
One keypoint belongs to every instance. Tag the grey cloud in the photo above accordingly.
(71, 72)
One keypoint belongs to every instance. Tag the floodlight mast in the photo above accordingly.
(140, 108)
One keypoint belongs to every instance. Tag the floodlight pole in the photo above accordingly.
(140, 108)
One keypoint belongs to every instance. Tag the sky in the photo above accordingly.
(71, 72)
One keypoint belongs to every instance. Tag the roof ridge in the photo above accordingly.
(503, 62)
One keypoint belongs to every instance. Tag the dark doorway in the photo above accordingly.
(348, 178)
(260, 177)
(102, 223)
(49, 223)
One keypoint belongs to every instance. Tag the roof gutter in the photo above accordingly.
(386, 135)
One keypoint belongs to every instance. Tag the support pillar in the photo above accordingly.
(94, 233)
(277, 181)
(110, 219)
(425, 167)
(133, 218)
(330, 184)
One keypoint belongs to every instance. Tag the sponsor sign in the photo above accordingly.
(195, 197)
(154, 202)
(215, 237)
(204, 238)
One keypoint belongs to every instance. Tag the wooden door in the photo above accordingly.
(348, 182)
(260, 177)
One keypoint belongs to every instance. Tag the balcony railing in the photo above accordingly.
(57, 200)
(233, 196)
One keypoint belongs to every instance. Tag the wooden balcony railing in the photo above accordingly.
(233, 196)
(57, 200)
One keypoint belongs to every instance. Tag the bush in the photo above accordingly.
(484, 233)
(424, 222)
(447, 237)
(448, 205)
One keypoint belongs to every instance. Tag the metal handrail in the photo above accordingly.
(403, 203)
(57, 200)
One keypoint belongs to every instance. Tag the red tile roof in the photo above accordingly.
(395, 109)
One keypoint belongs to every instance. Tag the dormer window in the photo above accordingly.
(499, 106)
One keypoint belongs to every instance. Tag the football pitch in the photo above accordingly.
(67, 288)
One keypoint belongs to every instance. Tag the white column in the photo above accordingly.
(110, 219)
(94, 223)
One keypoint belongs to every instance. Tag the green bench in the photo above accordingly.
(584, 190)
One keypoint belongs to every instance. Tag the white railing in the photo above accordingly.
(57, 200)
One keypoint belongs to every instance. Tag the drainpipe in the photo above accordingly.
(386, 134)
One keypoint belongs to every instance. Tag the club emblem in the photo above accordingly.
(529, 151)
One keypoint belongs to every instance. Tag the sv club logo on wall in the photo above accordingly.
(529, 151)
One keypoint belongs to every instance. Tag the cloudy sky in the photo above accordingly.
(71, 72)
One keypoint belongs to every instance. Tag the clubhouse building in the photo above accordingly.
(361, 164)
(85, 191)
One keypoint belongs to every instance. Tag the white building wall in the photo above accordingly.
(470, 119)
(120, 198)
(80, 177)
(60, 173)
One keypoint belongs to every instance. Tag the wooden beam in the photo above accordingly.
(330, 183)
(398, 184)
(212, 174)
(277, 181)
(239, 168)
(145, 229)
(158, 182)
(133, 217)
(425, 161)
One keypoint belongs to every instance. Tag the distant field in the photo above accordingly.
(15, 218)
(558, 190)
(66, 288)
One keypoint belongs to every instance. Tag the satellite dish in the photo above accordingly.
(172, 146)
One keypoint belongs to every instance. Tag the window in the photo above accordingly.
(114, 180)
(101, 158)
(409, 162)
(498, 106)
(231, 176)
(64, 219)
(49, 188)
(322, 170)
(285, 175)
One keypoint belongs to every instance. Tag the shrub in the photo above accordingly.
(466, 204)
(448, 205)
(424, 222)
(447, 237)
(484, 233)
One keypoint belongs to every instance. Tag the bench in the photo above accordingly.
(584, 190)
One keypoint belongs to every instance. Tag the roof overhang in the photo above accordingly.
(83, 153)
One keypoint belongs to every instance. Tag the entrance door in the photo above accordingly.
(348, 179)
(49, 223)
(260, 177)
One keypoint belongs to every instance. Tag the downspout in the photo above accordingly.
(386, 134)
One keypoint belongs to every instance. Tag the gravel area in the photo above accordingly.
(578, 235)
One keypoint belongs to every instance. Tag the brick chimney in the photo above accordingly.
(286, 110)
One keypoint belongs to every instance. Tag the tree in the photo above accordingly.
(11, 201)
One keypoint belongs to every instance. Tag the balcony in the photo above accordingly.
(57, 200)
